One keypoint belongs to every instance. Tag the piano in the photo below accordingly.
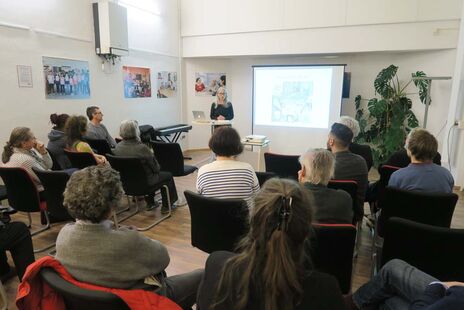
(164, 133)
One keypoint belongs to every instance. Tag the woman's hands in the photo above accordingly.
(221, 118)
(101, 160)
(40, 147)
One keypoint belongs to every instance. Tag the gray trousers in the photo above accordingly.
(182, 288)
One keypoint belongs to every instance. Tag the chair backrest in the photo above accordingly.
(349, 186)
(79, 298)
(54, 183)
(364, 151)
(133, 174)
(264, 176)
(217, 224)
(56, 164)
(332, 251)
(80, 160)
(285, 166)
(437, 251)
(21, 190)
(100, 146)
(169, 157)
(428, 208)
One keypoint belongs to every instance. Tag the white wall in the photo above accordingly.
(363, 67)
(153, 42)
(270, 27)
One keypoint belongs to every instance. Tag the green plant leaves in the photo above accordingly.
(386, 121)
(382, 82)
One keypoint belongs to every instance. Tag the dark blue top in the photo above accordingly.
(424, 178)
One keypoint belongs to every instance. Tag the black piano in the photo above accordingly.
(164, 133)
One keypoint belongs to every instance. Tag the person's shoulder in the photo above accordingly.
(218, 258)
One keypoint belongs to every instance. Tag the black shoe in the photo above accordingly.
(152, 205)
(7, 276)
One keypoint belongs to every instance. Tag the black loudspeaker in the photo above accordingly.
(346, 85)
(147, 133)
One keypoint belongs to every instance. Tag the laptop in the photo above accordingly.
(199, 116)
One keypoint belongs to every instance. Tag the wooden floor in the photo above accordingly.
(174, 233)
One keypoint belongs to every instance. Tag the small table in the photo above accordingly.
(214, 124)
(262, 148)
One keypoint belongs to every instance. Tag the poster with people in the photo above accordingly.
(207, 84)
(66, 78)
(166, 84)
(137, 83)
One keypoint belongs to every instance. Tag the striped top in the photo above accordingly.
(28, 159)
(228, 179)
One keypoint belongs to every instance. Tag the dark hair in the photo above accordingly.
(225, 141)
(342, 134)
(90, 110)
(18, 135)
(270, 263)
(422, 144)
(59, 120)
(75, 126)
(92, 192)
(223, 79)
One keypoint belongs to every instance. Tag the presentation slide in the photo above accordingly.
(306, 99)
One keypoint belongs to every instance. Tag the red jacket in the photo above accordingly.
(33, 293)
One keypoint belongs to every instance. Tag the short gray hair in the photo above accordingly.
(351, 123)
(319, 165)
(129, 130)
(91, 193)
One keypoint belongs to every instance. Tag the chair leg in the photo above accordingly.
(164, 217)
(132, 214)
(47, 226)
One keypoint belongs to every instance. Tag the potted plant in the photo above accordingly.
(388, 117)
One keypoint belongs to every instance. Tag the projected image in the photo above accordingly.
(292, 102)
(292, 96)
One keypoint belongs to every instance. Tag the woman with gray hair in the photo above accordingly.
(131, 146)
(330, 205)
(362, 150)
(93, 252)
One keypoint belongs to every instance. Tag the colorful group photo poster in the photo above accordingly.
(207, 84)
(66, 78)
(166, 84)
(136, 82)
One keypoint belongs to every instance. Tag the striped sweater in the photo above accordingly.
(228, 179)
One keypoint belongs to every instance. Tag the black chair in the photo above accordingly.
(349, 186)
(385, 172)
(332, 251)
(24, 197)
(171, 159)
(264, 176)
(80, 160)
(76, 298)
(56, 165)
(428, 208)
(100, 146)
(54, 183)
(364, 151)
(435, 250)
(3, 194)
(134, 180)
(284, 166)
(217, 224)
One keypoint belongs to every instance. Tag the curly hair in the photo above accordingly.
(92, 192)
(74, 129)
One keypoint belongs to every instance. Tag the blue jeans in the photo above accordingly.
(396, 286)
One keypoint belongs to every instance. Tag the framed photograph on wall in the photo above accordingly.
(66, 78)
(207, 84)
(137, 82)
(166, 84)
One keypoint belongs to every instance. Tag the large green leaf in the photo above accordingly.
(422, 85)
(377, 107)
(382, 83)
(412, 120)
(357, 102)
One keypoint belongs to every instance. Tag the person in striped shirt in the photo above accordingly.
(226, 177)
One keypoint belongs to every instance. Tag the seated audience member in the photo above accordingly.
(226, 177)
(422, 174)
(95, 129)
(25, 151)
(16, 238)
(75, 129)
(93, 252)
(362, 150)
(269, 272)
(57, 140)
(131, 146)
(330, 205)
(348, 166)
(399, 285)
